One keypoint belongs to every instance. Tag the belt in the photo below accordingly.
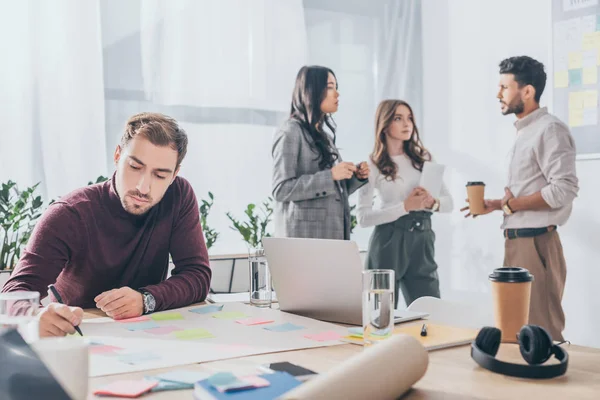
(527, 232)
(415, 220)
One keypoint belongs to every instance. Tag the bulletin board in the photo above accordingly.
(576, 61)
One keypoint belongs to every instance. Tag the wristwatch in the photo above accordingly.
(149, 301)
(506, 208)
(436, 205)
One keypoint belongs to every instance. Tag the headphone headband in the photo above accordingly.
(491, 363)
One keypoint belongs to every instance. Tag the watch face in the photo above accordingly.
(149, 302)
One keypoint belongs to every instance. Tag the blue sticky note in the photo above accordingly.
(168, 385)
(182, 376)
(207, 309)
(141, 326)
(575, 77)
(287, 327)
(137, 358)
(222, 378)
(280, 383)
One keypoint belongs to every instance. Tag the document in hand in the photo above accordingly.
(432, 178)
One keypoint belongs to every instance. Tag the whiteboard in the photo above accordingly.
(576, 61)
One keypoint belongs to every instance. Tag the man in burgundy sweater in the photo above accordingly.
(107, 245)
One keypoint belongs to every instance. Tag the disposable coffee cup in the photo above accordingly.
(475, 191)
(511, 291)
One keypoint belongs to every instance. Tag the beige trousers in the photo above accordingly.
(543, 257)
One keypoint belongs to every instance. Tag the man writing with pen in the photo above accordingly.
(108, 245)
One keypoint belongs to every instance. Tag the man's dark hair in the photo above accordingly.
(527, 71)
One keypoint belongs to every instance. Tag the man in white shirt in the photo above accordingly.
(542, 185)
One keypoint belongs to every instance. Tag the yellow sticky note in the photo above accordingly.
(588, 41)
(166, 316)
(596, 39)
(191, 334)
(590, 75)
(575, 117)
(575, 60)
(598, 60)
(561, 79)
(576, 100)
(590, 99)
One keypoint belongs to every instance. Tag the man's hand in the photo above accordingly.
(121, 303)
(59, 320)
(362, 171)
(507, 196)
(489, 206)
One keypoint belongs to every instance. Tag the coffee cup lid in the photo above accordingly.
(475, 184)
(511, 274)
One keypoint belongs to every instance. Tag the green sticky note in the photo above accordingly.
(166, 316)
(190, 334)
(229, 315)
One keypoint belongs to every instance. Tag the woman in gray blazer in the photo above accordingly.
(311, 183)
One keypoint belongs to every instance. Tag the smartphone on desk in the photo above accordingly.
(298, 372)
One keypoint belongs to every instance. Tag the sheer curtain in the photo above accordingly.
(52, 94)
(222, 53)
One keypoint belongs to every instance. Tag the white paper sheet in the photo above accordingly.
(432, 178)
(231, 339)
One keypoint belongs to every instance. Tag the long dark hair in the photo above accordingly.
(309, 92)
(413, 147)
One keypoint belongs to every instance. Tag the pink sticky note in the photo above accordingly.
(254, 321)
(101, 349)
(135, 319)
(324, 336)
(163, 330)
(129, 388)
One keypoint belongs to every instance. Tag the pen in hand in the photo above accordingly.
(59, 299)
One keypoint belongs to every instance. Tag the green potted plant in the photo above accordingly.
(210, 234)
(255, 228)
(19, 211)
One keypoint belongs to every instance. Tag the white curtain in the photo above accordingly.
(222, 53)
(399, 61)
(52, 94)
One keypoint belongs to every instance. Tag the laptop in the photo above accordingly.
(321, 279)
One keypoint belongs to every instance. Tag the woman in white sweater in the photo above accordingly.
(402, 239)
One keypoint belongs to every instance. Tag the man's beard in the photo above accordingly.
(133, 208)
(515, 107)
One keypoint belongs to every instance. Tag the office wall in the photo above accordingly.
(463, 42)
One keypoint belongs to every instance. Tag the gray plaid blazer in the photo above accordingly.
(308, 202)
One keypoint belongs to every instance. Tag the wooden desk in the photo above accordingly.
(451, 373)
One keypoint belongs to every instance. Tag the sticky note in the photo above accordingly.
(229, 315)
(129, 388)
(101, 349)
(590, 75)
(137, 358)
(575, 117)
(575, 77)
(588, 41)
(356, 331)
(590, 99)
(141, 326)
(221, 378)
(166, 316)
(136, 319)
(576, 100)
(207, 309)
(324, 336)
(168, 385)
(598, 22)
(226, 381)
(163, 330)
(575, 60)
(254, 321)
(561, 79)
(287, 327)
(190, 334)
(590, 117)
(183, 376)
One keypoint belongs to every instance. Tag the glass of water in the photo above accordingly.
(19, 310)
(378, 305)
(260, 279)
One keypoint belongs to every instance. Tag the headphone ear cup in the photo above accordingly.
(535, 344)
(488, 340)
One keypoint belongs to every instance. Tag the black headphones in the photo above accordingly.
(536, 346)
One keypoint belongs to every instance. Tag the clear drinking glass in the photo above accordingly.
(261, 292)
(18, 310)
(378, 305)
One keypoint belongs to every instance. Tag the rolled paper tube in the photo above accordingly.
(382, 371)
